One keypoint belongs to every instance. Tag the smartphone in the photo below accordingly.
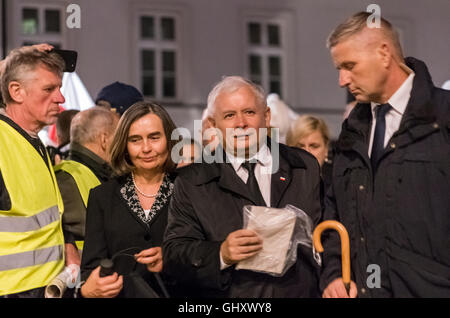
(69, 57)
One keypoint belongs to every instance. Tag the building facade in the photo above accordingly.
(174, 51)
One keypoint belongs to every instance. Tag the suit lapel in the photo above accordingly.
(230, 181)
(280, 182)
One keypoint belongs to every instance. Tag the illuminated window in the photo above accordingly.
(41, 24)
(265, 55)
(159, 51)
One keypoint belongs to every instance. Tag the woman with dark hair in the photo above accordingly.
(127, 216)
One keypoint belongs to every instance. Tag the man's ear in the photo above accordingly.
(267, 116)
(16, 91)
(211, 121)
(104, 144)
(104, 141)
(385, 54)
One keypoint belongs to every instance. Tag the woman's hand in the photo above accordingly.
(152, 258)
(102, 287)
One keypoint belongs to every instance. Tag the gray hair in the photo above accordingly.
(358, 22)
(21, 61)
(230, 84)
(87, 125)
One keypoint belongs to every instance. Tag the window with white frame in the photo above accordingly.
(265, 54)
(158, 55)
(41, 23)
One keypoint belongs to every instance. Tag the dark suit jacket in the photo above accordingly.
(111, 227)
(207, 205)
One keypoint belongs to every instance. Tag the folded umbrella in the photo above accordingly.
(345, 246)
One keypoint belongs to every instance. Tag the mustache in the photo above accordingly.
(238, 132)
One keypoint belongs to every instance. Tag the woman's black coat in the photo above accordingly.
(111, 227)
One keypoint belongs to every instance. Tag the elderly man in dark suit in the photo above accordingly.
(205, 238)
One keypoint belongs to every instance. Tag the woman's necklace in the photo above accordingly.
(140, 191)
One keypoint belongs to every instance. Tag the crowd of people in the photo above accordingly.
(174, 228)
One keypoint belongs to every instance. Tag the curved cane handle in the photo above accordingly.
(345, 245)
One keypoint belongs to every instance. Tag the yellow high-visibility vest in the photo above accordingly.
(84, 178)
(31, 237)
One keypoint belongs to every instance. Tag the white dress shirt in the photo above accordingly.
(263, 175)
(398, 101)
(263, 170)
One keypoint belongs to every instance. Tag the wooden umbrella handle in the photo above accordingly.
(345, 246)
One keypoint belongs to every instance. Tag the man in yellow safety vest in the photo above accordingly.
(91, 133)
(31, 236)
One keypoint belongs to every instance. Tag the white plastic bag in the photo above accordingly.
(280, 230)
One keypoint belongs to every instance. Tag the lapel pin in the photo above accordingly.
(282, 178)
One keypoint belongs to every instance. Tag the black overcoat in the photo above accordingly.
(207, 205)
(398, 217)
(112, 227)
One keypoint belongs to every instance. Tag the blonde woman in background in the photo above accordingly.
(311, 134)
